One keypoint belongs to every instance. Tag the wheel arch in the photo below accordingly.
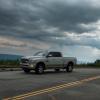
(40, 63)
(70, 62)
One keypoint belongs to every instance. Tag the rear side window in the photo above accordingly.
(55, 54)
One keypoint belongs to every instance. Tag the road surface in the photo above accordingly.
(81, 84)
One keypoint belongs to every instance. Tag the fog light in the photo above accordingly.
(31, 65)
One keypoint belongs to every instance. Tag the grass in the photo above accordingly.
(88, 66)
(9, 64)
(16, 64)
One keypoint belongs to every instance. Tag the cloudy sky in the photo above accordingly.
(71, 26)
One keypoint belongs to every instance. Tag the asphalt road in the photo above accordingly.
(81, 84)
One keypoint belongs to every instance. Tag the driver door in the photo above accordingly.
(54, 61)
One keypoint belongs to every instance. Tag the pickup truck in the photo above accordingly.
(47, 60)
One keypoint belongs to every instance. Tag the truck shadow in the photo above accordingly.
(49, 72)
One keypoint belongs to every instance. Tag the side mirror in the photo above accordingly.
(49, 55)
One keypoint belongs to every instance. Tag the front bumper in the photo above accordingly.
(28, 66)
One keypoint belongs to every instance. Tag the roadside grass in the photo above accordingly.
(16, 64)
(87, 66)
(9, 64)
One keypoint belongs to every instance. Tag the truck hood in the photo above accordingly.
(32, 57)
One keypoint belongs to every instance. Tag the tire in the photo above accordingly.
(57, 70)
(69, 67)
(26, 70)
(39, 69)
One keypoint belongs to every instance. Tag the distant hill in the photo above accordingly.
(9, 57)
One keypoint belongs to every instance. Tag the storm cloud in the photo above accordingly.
(44, 24)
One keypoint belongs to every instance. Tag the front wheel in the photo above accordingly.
(69, 67)
(39, 69)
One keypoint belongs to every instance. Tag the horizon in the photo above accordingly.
(7, 58)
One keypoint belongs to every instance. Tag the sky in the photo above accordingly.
(69, 26)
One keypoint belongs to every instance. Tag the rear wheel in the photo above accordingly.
(26, 70)
(39, 69)
(69, 67)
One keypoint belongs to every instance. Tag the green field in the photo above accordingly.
(9, 64)
(16, 64)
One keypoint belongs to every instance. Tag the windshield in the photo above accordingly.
(39, 54)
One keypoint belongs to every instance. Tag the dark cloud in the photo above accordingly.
(68, 18)
(7, 18)
(46, 20)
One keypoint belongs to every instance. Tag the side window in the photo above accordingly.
(54, 54)
(57, 54)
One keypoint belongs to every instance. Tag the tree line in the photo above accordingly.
(16, 63)
(9, 63)
(95, 64)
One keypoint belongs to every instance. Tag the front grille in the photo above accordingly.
(24, 60)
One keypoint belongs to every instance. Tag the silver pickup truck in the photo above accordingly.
(47, 60)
